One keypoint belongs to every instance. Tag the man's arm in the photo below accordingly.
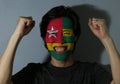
(23, 27)
(99, 28)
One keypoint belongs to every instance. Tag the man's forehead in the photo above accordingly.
(62, 22)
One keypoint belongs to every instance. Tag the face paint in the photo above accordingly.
(60, 37)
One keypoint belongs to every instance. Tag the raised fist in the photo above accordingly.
(98, 27)
(24, 26)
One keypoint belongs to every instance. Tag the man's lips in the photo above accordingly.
(60, 49)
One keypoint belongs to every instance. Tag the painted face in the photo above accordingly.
(59, 38)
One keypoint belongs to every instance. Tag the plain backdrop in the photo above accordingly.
(31, 48)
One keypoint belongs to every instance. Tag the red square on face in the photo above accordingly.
(54, 31)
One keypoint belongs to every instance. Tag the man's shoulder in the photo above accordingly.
(36, 65)
(86, 64)
(93, 66)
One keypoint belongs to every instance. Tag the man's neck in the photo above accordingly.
(65, 63)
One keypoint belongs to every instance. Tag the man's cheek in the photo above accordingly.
(70, 46)
(68, 39)
(58, 39)
(50, 47)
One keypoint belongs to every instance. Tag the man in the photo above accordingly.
(60, 31)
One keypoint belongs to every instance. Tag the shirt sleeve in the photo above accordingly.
(102, 75)
(26, 75)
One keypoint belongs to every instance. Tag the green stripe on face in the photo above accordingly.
(67, 23)
(69, 39)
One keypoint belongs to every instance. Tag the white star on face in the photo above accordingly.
(52, 32)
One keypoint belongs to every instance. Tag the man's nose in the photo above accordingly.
(62, 40)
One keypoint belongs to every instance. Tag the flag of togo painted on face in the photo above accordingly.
(60, 34)
(60, 30)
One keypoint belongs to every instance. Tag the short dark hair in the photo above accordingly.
(60, 11)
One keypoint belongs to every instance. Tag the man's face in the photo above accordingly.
(60, 38)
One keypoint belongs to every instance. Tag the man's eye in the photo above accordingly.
(68, 32)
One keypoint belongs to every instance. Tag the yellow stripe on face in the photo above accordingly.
(51, 46)
(68, 32)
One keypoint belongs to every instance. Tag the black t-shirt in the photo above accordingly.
(78, 73)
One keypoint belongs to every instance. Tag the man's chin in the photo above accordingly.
(60, 57)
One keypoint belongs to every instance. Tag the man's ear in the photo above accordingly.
(44, 39)
(75, 39)
(44, 43)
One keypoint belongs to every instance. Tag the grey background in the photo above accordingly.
(31, 48)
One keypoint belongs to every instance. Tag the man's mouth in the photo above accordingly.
(60, 49)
